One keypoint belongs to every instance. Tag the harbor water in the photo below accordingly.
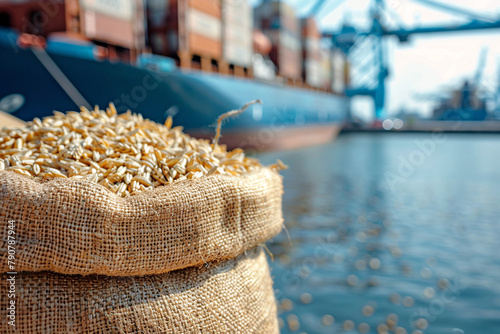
(390, 233)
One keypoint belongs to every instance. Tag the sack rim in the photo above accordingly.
(89, 248)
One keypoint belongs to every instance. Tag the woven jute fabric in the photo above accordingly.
(77, 227)
(232, 296)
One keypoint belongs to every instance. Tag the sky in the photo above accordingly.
(427, 64)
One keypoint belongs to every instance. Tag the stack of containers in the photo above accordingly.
(311, 52)
(237, 32)
(338, 71)
(118, 23)
(277, 20)
(190, 29)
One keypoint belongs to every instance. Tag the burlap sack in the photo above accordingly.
(232, 296)
(77, 227)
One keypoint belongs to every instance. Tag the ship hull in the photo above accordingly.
(289, 117)
(285, 138)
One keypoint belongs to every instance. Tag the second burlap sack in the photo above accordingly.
(232, 296)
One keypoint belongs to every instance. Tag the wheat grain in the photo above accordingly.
(124, 153)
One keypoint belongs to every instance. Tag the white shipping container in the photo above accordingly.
(237, 18)
(338, 72)
(90, 24)
(234, 33)
(239, 55)
(313, 48)
(289, 41)
(312, 44)
(237, 34)
(237, 12)
(313, 73)
(122, 9)
(238, 47)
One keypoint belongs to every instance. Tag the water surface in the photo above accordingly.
(390, 233)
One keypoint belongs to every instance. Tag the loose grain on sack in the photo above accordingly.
(125, 153)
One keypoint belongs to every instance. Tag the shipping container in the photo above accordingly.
(237, 32)
(338, 71)
(311, 52)
(285, 53)
(312, 73)
(187, 30)
(277, 21)
(276, 14)
(33, 17)
(120, 22)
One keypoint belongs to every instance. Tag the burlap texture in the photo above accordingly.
(77, 227)
(232, 296)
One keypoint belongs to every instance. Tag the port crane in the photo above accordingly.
(349, 39)
(475, 82)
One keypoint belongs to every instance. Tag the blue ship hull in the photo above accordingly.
(289, 117)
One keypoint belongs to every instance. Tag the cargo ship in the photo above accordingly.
(170, 67)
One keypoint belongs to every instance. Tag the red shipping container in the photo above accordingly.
(191, 27)
(286, 54)
(120, 23)
(34, 17)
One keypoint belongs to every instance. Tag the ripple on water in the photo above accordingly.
(356, 241)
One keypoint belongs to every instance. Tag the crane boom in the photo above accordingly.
(403, 34)
(456, 10)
